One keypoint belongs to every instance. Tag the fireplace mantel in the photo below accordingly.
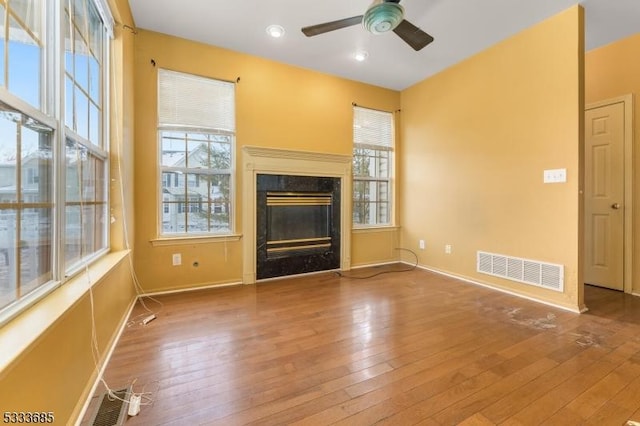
(259, 160)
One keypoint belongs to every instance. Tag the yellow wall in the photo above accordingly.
(612, 71)
(476, 139)
(373, 247)
(56, 371)
(277, 106)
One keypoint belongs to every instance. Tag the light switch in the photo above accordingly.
(555, 176)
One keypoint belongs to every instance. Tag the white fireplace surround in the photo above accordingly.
(258, 160)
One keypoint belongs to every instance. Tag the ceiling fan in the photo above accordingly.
(382, 16)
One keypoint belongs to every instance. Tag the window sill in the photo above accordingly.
(203, 239)
(371, 229)
(23, 330)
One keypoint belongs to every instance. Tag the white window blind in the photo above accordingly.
(193, 101)
(372, 128)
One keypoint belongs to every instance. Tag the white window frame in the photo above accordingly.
(51, 114)
(374, 130)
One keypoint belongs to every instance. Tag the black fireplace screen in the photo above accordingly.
(298, 221)
(298, 224)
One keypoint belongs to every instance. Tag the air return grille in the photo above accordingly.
(541, 274)
(112, 411)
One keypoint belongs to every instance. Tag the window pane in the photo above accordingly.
(361, 162)
(94, 80)
(82, 113)
(35, 159)
(29, 12)
(170, 218)
(9, 124)
(87, 218)
(94, 124)
(173, 149)
(72, 235)
(101, 227)
(8, 257)
(198, 155)
(197, 219)
(36, 237)
(96, 32)
(69, 120)
(88, 173)
(24, 64)
(100, 182)
(220, 199)
(68, 45)
(73, 172)
(81, 71)
(80, 15)
(88, 229)
(220, 152)
(36, 162)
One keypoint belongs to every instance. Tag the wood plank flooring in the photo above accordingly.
(396, 349)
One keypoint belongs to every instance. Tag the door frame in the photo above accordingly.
(627, 100)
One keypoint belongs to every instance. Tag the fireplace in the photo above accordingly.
(298, 224)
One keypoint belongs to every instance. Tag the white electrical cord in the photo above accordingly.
(142, 398)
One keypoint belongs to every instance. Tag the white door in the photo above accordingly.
(604, 196)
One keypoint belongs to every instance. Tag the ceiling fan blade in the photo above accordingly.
(412, 35)
(331, 26)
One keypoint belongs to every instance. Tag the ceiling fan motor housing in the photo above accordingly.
(382, 17)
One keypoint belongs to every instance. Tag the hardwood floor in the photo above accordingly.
(396, 349)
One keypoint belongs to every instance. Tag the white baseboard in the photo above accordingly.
(374, 265)
(187, 289)
(500, 289)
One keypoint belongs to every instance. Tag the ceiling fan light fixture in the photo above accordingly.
(275, 31)
(382, 17)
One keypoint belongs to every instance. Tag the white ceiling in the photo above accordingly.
(461, 28)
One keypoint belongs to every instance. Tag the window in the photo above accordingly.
(373, 141)
(86, 206)
(197, 138)
(42, 144)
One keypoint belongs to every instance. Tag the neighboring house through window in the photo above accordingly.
(373, 144)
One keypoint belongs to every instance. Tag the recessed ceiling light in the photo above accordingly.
(361, 56)
(275, 31)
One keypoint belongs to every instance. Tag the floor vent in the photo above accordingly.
(112, 411)
(541, 274)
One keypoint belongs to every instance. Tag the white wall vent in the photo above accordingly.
(541, 274)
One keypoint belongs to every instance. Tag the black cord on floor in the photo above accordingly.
(341, 275)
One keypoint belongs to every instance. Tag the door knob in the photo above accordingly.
(615, 206)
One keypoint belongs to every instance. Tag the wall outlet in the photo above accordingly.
(447, 249)
(177, 259)
(421, 244)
